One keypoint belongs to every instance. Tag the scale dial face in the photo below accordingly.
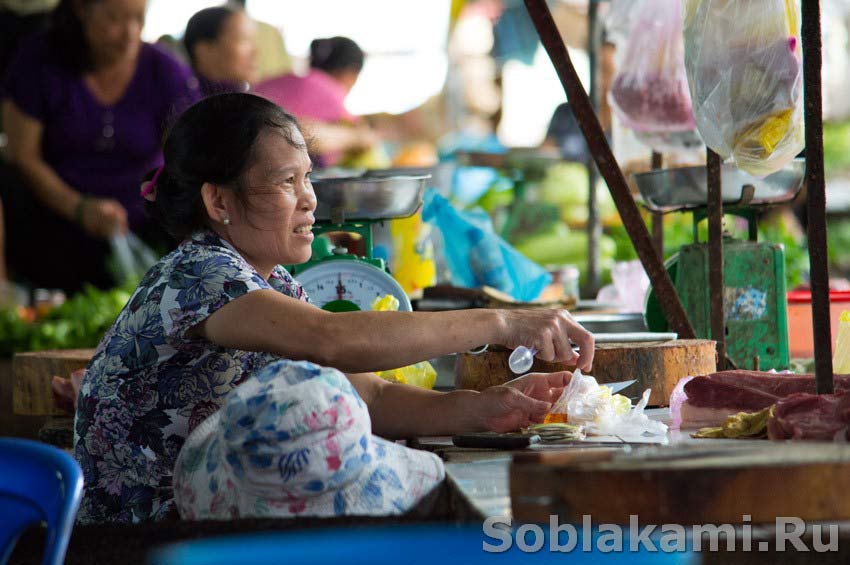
(345, 285)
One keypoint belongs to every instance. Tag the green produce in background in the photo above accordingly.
(566, 185)
(559, 245)
(836, 146)
(80, 322)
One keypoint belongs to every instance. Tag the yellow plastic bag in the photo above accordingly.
(420, 374)
(841, 359)
(413, 256)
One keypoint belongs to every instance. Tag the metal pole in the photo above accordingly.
(657, 218)
(594, 227)
(818, 261)
(669, 301)
(715, 255)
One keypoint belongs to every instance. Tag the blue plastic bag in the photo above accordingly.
(476, 256)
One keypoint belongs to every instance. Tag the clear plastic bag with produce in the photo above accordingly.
(743, 61)
(587, 403)
(650, 93)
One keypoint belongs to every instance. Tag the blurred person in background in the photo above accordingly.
(318, 98)
(84, 107)
(222, 46)
(272, 57)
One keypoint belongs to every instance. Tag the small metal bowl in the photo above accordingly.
(368, 197)
(686, 188)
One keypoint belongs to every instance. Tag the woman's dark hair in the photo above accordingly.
(206, 25)
(336, 54)
(66, 39)
(213, 141)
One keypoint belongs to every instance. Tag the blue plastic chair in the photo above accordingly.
(387, 545)
(38, 484)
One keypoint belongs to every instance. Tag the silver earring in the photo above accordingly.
(226, 221)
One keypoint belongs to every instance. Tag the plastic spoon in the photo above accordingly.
(522, 359)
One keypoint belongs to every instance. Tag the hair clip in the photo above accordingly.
(148, 191)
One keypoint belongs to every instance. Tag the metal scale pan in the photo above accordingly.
(369, 197)
(686, 188)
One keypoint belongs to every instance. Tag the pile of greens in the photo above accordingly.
(80, 322)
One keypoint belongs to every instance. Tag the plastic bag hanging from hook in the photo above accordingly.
(650, 92)
(744, 66)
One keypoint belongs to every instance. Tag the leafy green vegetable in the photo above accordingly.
(80, 322)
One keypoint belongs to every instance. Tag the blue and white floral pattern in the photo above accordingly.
(148, 385)
(296, 439)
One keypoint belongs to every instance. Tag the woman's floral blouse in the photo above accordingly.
(149, 385)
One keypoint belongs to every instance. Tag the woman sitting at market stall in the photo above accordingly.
(222, 45)
(317, 99)
(84, 109)
(235, 188)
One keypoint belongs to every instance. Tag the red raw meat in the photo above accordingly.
(779, 384)
(710, 399)
(811, 416)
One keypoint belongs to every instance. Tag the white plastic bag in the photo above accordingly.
(743, 61)
(132, 256)
(650, 92)
(587, 403)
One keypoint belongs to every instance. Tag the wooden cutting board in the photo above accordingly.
(32, 373)
(655, 365)
(694, 485)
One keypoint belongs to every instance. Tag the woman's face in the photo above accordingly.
(233, 55)
(275, 227)
(112, 29)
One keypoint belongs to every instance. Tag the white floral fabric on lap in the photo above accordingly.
(296, 439)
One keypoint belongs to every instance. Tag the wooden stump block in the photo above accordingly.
(655, 365)
(12, 424)
(33, 372)
(705, 485)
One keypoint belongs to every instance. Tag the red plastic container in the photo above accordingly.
(800, 337)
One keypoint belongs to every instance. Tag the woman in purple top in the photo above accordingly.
(85, 108)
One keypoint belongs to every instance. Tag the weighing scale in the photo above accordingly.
(753, 273)
(339, 281)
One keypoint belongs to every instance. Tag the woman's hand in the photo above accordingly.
(66, 390)
(505, 409)
(550, 332)
(542, 386)
(103, 217)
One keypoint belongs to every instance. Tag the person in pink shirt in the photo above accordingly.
(318, 98)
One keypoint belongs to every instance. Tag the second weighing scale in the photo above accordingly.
(753, 272)
(339, 281)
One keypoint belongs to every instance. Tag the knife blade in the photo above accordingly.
(618, 386)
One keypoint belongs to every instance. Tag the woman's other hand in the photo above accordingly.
(542, 386)
(550, 332)
(506, 409)
(103, 217)
(66, 390)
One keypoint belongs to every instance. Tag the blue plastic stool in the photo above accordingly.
(387, 545)
(38, 483)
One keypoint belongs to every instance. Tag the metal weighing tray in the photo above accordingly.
(368, 197)
(670, 190)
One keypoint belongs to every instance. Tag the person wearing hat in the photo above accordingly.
(207, 318)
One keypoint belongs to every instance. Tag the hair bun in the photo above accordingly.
(320, 51)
